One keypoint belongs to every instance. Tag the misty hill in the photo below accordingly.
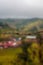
(22, 24)
(33, 26)
(4, 25)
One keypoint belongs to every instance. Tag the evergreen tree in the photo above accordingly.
(25, 54)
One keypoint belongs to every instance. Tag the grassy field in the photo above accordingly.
(10, 54)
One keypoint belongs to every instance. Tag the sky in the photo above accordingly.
(21, 8)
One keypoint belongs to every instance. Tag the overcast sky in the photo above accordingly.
(21, 8)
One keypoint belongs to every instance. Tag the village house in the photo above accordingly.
(31, 38)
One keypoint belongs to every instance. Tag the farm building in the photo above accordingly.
(31, 38)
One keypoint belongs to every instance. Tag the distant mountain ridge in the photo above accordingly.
(22, 24)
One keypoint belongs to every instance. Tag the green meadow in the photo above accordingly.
(8, 56)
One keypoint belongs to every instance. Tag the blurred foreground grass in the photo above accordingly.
(7, 55)
(10, 54)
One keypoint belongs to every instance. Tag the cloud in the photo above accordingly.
(21, 8)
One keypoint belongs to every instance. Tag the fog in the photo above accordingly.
(21, 8)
